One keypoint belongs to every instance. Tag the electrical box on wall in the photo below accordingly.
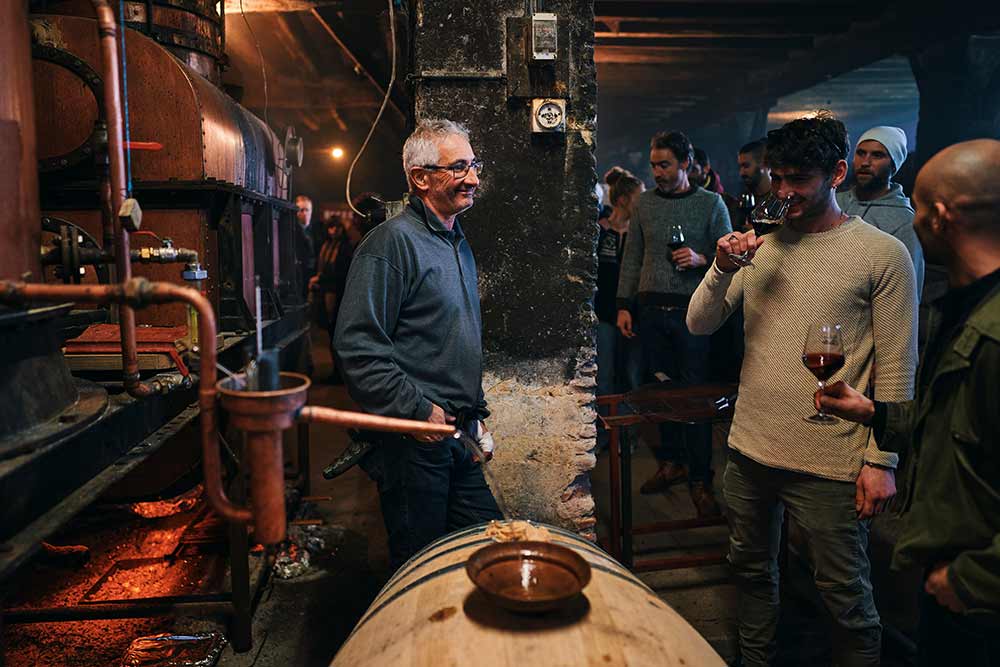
(548, 115)
(544, 40)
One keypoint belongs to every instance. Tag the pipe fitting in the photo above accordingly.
(138, 292)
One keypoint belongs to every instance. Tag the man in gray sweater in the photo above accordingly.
(663, 280)
(879, 154)
(408, 340)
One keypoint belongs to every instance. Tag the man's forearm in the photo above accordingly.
(708, 309)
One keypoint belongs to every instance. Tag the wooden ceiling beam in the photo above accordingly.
(712, 30)
(703, 42)
(737, 12)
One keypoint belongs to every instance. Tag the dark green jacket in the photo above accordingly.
(953, 431)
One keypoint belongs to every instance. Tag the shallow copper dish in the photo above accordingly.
(529, 577)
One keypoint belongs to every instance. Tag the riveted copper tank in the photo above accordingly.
(205, 135)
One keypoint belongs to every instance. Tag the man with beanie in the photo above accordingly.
(875, 198)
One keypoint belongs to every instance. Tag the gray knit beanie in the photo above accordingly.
(894, 140)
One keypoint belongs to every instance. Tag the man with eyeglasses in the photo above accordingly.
(662, 270)
(408, 340)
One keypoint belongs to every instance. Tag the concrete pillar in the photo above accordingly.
(959, 83)
(533, 231)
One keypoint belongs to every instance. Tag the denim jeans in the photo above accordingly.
(668, 347)
(427, 490)
(619, 361)
(837, 544)
(947, 638)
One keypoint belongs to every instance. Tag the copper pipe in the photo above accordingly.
(20, 233)
(108, 34)
(140, 292)
(318, 415)
(267, 472)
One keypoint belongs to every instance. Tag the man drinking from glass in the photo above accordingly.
(820, 266)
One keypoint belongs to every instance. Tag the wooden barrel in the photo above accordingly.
(430, 615)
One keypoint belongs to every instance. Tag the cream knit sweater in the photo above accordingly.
(853, 275)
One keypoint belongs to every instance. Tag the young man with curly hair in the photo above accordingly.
(821, 266)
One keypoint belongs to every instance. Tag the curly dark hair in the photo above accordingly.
(818, 142)
(677, 142)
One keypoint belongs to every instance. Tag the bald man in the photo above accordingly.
(952, 428)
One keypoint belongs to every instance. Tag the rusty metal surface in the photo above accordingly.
(20, 233)
(204, 133)
(137, 292)
(264, 410)
(191, 29)
(263, 415)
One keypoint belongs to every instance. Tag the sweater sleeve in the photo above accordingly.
(894, 321)
(631, 268)
(368, 315)
(718, 295)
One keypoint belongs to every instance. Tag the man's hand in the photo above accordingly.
(625, 323)
(735, 243)
(314, 283)
(686, 258)
(875, 488)
(438, 416)
(940, 587)
(846, 402)
(486, 442)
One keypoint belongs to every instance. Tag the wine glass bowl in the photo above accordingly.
(823, 355)
(746, 206)
(675, 239)
(765, 217)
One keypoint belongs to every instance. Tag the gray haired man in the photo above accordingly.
(408, 340)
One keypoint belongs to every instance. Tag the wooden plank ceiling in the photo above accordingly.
(683, 64)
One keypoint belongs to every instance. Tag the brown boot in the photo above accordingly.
(669, 473)
(704, 501)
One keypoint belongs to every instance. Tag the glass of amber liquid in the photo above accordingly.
(823, 355)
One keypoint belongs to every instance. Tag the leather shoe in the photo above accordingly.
(704, 501)
(667, 475)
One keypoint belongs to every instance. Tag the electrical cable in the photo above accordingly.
(128, 133)
(378, 117)
(260, 54)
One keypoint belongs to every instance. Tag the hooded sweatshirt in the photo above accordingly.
(893, 214)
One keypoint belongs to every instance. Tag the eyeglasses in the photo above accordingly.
(459, 170)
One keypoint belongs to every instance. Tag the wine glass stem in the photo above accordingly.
(822, 386)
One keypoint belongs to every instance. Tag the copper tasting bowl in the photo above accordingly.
(528, 577)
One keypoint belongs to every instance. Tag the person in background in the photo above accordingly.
(878, 201)
(331, 276)
(756, 178)
(702, 174)
(610, 176)
(618, 358)
(821, 266)
(305, 247)
(661, 272)
(951, 431)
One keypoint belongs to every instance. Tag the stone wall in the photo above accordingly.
(533, 231)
